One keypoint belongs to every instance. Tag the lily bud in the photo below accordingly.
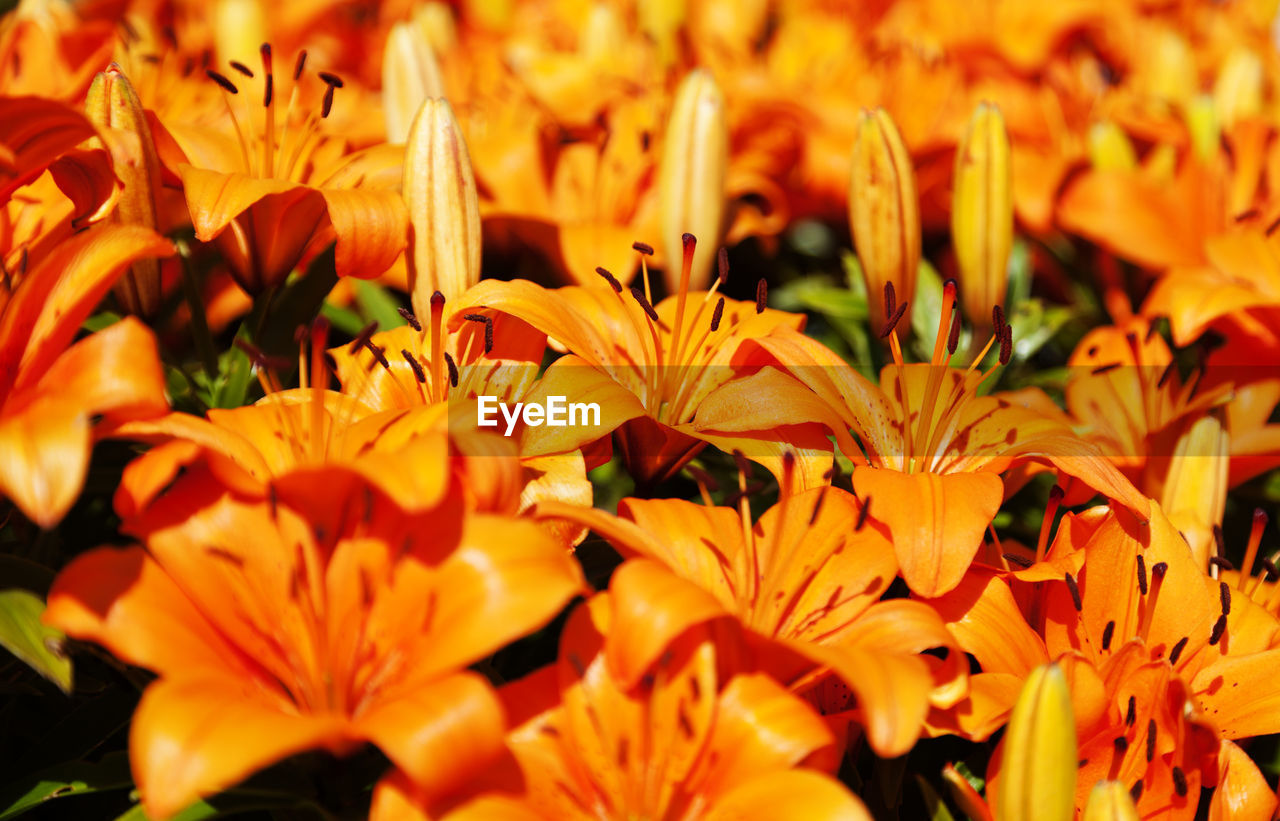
(1238, 91)
(1172, 67)
(410, 76)
(444, 210)
(982, 213)
(1195, 489)
(1110, 148)
(1203, 124)
(884, 213)
(113, 106)
(438, 25)
(695, 163)
(1110, 801)
(1038, 774)
(662, 20)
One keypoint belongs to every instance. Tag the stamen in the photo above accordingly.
(1101, 369)
(410, 318)
(689, 245)
(890, 299)
(611, 279)
(863, 514)
(327, 104)
(997, 319)
(1006, 345)
(1014, 558)
(330, 79)
(1221, 563)
(1176, 652)
(1074, 589)
(299, 64)
(363, 337)
(1135, 792)
(1224, 596)
(268, 94)
(953, 338)
(1121, 744)
(817, 507)
(1179, 781)
(893, 320)
(1251, 549)
(1107, 633)
(222, 81)
(242, 68)
(453, 370)
(1219, 627)
(643, 247)
(378, 354)
(1142, 575)
(717, 315)
(722, 263)
(418, 373)
(488, 329)
(644, 303)
(762, 295)
(1151, 740)
(1131, 715)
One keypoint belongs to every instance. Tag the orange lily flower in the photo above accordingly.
(806, 579)
(274, 192)
(309, 637)
(928, 436)
(649, 367)
(1151, 640)
(50, 392)
(695, 738)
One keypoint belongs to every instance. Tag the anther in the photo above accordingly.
(1020, 561)
(953, 338)
(611, 279)
(1074, 589)
(890, 299)
(1135, 792)
(1176, 652)
(453, 370)
(762, 296)
(418, 373)
(1142, 575)
(222, 81)
(488, 328)
(863, 514)
(817, 507)
(1006, 345)
(299, 64)
(378, 354)
(892, 322)
(1131, 715)
(1221, 563)
(242, 68)
(644, 303)
(1107, 633)
(997, 318)
(363, 337)
(327, 105)
(643, 247)
(1224, 596)
(1121, 743)
(330, 79)
(408, 316)
(1101, 369)
(722, 263)
(1179, 781)
(1151, 740)
(717, 315)
(1219, 627)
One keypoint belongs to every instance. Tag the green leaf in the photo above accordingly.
(343, 319)
(232, 802)
(75, 778)
(104, 319)
(235, 374)
(39, 645)
(1034, 325)
(925, 310)
(378, 305)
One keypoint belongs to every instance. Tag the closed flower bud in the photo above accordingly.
(884, 213)
(1171, 67)
(444, 211)
(1203, 125)
(1195, 489)
(1038, 769)
(410, 76)
(695, 162)
(1237, 93)
(1110, 148)
(438, 24)
(982, 213)
(1110, 801)
(113, 106)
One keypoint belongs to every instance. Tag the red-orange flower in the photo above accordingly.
(307, 637)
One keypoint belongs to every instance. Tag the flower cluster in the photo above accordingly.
(640, 409)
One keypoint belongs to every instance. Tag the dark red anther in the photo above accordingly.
(611, 279)
(717, 315)
(453, 369)
(893, 320)
(488, 328)
(644, 303)
(408, 316)
(643, 247)
(762, 296)
(242, 68)
(1142, 575)
(863, 514)
(1074, 589)
(1107, 633)
(330, 79)
(327, 105)
(418, 373)
(221, 80)
(361, 338)
(1176, 652)
(299, 64)
(722, 263)
(1219, 627)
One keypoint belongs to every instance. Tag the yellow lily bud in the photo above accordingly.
(444, 210)
(410, 75)
(695, 163)
(1038, 776)
(1110, 801)
(1195, 489)
(1202, 122)
(113, 106)
(661, 20)
(605, 33)
(239, 30)
(884, 213)
(982, 213)
(1238, 90)
(1172, 67)
(1110, 148)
